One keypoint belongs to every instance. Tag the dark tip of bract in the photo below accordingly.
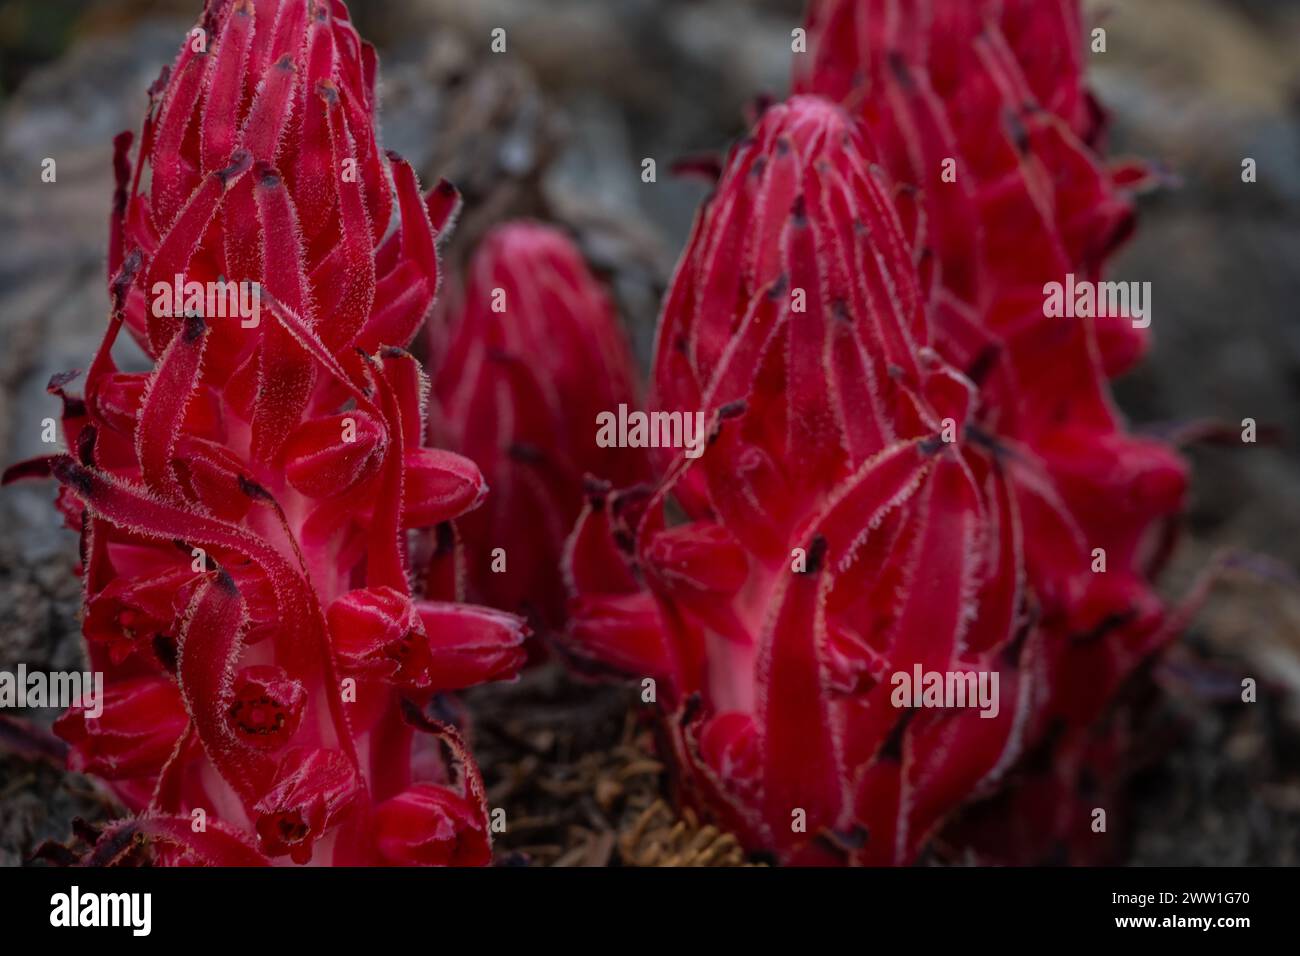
(267, 175)
(984, 362)
(596, 490)
(211, 14)
(164, 648)
(160, 84)
(86, 445)
(194, 328)
(60, 379)
(1017, 131)
(253, 490)
(892, 748)
(799, 212)
(816, 554)
(131, 264)
(694, 704)
(898, 66)
(525, 452)
(240, 161)
(121, 285)
(74, 474)
(733, 409)
(121, 148)
(226, 582)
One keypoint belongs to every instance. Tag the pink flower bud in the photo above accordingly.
(133, 737)
(440, 485)
(328, 456)
(431, 826)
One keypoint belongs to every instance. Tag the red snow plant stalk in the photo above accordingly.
(914, 474)
(255, 508)
(523, 365)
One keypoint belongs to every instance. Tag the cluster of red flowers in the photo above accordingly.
(910, 469)
(257, 510)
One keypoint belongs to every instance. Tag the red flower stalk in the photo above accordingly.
(530, 344)
(981, 113)
(908, 478)
(995, 94)
(255, 509)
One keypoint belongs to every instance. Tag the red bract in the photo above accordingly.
(254, 510)
(909, 471)
(530, 353)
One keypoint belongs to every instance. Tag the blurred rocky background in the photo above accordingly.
(557, 127)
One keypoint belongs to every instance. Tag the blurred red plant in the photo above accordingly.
(911, 468)
(528, 353)
(255, 509)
